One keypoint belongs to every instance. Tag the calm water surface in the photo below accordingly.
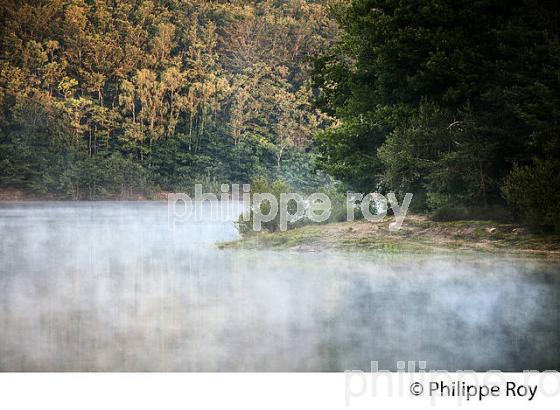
(108, 286)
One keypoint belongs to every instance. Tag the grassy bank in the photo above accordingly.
(418, 234)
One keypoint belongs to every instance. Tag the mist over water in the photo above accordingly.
(108, 286)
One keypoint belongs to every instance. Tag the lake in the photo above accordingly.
(108, 286)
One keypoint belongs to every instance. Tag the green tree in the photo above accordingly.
(439, 97)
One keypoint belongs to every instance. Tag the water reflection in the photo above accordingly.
(107, 286)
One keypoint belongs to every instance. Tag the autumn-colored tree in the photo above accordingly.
(186, 90)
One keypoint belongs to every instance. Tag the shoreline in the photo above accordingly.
(14, 195)
(418, 234)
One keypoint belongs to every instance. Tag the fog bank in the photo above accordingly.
(108, 286)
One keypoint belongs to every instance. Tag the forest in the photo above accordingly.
(110, 99)
(457, 102)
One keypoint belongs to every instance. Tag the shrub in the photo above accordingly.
(261, 185)
(533, 193)
(494, 213)
(334, 191)
(338, 203)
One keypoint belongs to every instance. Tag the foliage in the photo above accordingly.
(529, 190)
(439, 97)
(171, 92)
(261, 185)
(333, 190)
(494, 213)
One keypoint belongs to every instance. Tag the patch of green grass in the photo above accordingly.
(288, 239)
(375, 244)
(421, 236)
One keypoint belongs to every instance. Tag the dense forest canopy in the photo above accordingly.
(457, 101)
(107, 98)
